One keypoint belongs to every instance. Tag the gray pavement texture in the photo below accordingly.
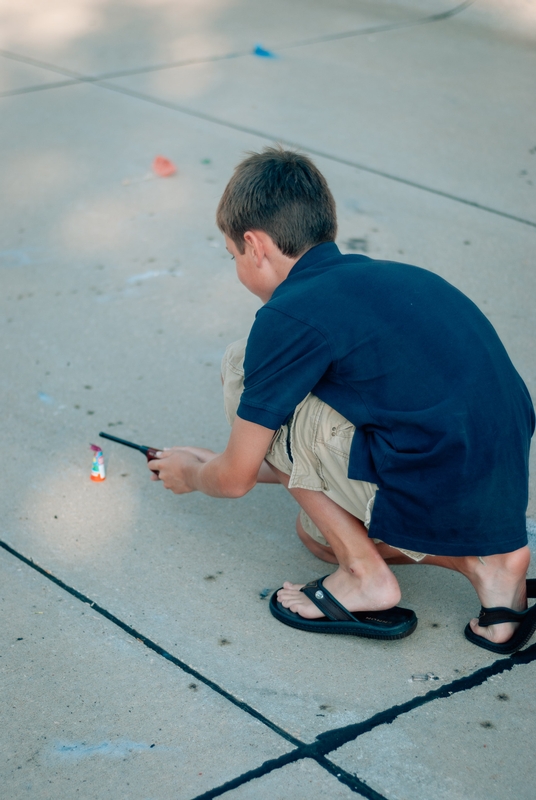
(138, 656)
(469, 730)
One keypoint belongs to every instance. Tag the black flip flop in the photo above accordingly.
(494, 616)
(394, 623)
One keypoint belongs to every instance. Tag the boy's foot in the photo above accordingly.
(371, 592)
(499, 581)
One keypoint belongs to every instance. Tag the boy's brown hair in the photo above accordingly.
(282, 193)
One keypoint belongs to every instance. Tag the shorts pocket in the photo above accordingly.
(337, 436)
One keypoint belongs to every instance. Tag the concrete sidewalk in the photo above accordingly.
(139, 658)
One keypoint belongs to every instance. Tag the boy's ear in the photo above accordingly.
(260, 244)
(255, 245)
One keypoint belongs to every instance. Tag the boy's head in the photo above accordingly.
(283, 194)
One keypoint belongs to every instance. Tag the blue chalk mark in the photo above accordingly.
(46, 398)
(264, 593)
(262, 52)
(22, 257)
(145, 276)
(153, 273)
(14, 258)
(118, 749)
(353, 205)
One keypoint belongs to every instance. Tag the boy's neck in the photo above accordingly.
(282, 265)
(262, 267)
(277, 268)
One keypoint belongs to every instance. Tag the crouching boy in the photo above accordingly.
(384, 401)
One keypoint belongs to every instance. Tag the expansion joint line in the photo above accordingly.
(385, 28)
(312, 150)
(153, 645)
(102, 81)
(186, 62)
(325, 742)
(330, 741)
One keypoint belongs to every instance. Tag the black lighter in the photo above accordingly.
(148, 452)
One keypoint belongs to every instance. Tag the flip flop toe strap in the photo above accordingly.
(494, 616)
(325, 601)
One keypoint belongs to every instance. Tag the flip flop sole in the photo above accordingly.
(520, 637)
(398, 629)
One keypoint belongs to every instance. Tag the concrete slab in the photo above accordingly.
(102, 37)
(468, 78)
(16, 76)
(467, 747)
(99, 207)
(302, 779)
(114, 282)
(89, 711)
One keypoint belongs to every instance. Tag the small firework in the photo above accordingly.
(98, 472)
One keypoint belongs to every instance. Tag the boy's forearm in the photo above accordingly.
(236, 471)
(232, 473)
(214, 478)
(265, 475)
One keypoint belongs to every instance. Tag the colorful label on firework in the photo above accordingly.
(98, 472)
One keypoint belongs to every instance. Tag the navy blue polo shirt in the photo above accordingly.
(443, 420)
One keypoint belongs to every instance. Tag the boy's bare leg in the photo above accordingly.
(321, 551)
(363, 581)
(499, 581)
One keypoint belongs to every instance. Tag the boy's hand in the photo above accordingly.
(174, 466)
(232, 473)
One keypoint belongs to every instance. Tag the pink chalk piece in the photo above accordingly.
(163, 167)
(95, 447)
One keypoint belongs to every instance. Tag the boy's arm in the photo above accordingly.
(232, 473)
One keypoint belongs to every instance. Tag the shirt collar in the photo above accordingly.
(320, 252)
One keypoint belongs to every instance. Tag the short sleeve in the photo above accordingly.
(285, 359)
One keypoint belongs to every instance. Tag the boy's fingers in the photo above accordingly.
(153, 466)
(165, 453)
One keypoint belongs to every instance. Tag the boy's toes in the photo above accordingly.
(297, 602)
(499, 634)
(290, 594)
(288, 590)
(478, 631)
(293, 586)
(475, 627)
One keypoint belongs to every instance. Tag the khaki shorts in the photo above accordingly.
(319, 439)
